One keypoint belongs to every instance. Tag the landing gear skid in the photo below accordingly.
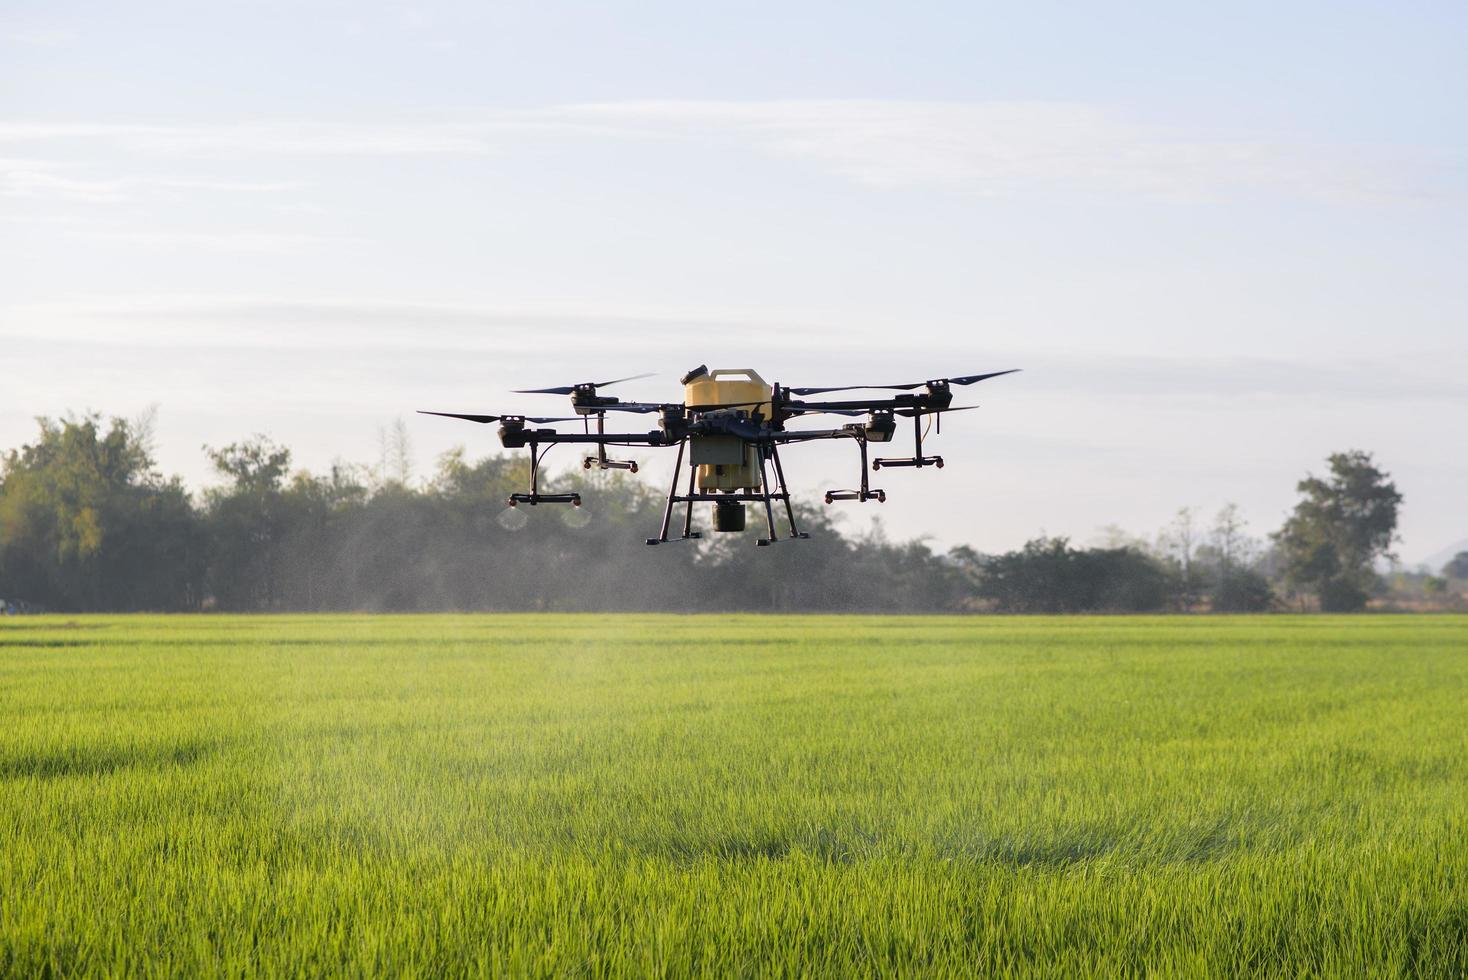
(609, 464)
(917, 459)
(864, 494)
(600, 460)
(535, 497)
(860, 496)
(767, 494)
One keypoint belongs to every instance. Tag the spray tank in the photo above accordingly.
(726, 463)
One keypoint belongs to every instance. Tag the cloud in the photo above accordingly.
(313, 138)
(52, 180)
(822, 353)
(179, 322)
(35, 37)
(994, 149)
(1240, 381)
(262, 243)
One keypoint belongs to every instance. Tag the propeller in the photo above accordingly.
(641, 408)
(910, 412)
(539, 420)
(568, 389)
(645, 407)
(966, 379)
(907, 412)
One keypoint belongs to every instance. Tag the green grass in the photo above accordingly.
(719, 795)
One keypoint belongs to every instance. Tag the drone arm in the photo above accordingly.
(845, 432)
(516, 438)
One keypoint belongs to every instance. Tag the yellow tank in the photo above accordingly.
(724, 462)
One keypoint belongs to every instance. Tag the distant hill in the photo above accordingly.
(1438, 559)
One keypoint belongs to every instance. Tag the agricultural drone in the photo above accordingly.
(731, 425)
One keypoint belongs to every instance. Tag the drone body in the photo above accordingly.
(730, 425)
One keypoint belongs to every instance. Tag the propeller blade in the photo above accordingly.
(969, 379)
(642, 408)
(469, 418)
(966, 379)
(645, 407)
(568, 389)
(822, 391)
(910, 412)
(562, 390)
(482, 419)
(714, 407)
(617, 381)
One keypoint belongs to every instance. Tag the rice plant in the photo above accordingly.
(728, 795)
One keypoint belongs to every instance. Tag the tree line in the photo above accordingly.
(88, 523)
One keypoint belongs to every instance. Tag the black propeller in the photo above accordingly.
(538, 420)
(910, 412)
(641, 408)
(645, 407)
(568, 389)
(907, 412)
(966, 379)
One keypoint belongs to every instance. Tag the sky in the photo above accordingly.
(1222, 240)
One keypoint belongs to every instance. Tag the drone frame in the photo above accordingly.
(680, 424)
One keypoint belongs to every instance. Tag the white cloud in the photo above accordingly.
(395, 329)
(999, 149)
(263, 243)
(182, 321)
(1003, 149)
(51, 180)
(323, 138)
(36, 37)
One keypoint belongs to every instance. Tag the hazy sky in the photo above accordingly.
(1222, 240)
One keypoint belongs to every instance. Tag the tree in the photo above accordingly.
(1177, 543)
(395, 454)
(1342, 524)
(1458, 567)
(1236, 585)
(247, 521)
(1048, 575)
(87, 523)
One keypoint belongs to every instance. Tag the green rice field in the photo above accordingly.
(569, 795)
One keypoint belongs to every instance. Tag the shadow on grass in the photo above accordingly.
(102, 760)
(1054, 852)
(822, 844)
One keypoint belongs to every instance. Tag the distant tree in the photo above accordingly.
(1342, 524)
(1458, 567)
(1234, 582)
(1048, 575)
(1177, 544)
(87, 522)
(247, 523)
(395, 454)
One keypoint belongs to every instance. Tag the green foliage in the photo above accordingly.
(1241, 590)
(1048, 575)
(1231, 559)
(1340, 526)
(87, 522)
(733, 796)
(248, 520)
(269, 539)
